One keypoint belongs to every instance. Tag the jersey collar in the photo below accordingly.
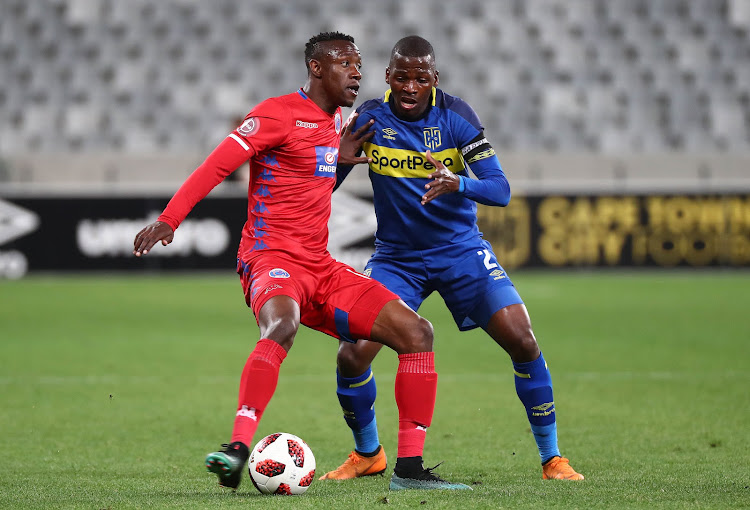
(387, 96)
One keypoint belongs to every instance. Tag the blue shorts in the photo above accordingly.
(467, 276)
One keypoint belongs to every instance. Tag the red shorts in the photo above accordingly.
(333, 298)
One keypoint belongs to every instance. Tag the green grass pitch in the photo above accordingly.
(113, 389)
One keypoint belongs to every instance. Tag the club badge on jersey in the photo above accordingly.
(337, 122)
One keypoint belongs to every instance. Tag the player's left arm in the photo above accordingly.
(491, 187)
(351, 147)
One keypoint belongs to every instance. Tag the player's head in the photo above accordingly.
(333, 66)
(411, 74)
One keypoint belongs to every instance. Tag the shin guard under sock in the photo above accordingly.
(357, 398)
(534, 389)
(258, 383)
(416, 389)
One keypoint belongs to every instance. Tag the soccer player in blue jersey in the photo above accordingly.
(420, 142)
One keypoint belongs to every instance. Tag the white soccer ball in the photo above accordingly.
(281, 463)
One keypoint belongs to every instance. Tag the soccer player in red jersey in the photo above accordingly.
(287, 274)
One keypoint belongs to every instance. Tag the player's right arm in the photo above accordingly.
(351, 147)
(265, 127)
(225, 158)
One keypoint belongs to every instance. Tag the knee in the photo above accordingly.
(402, 329)
(349, 361)
(281, 330)
(420, 335)
(527, 342)
(510, 327)
(523, 346)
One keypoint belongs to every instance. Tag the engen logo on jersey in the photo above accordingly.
(325, 161)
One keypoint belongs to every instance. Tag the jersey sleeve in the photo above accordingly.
(491, 186)
(265, 127)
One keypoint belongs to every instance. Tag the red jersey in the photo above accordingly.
(293, 149)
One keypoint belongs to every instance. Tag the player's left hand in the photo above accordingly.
(351, 142)
(443, 181)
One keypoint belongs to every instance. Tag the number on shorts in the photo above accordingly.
(487, 256)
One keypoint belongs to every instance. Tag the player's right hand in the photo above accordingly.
(443, 180)
(150, 235)
(351, 143)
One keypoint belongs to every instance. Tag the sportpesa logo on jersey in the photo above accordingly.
(407, 163)
(325, 161)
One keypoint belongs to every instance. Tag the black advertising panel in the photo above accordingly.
(82, 234)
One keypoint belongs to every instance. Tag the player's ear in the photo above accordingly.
(387, 74)
(437, 77)
(315, 69)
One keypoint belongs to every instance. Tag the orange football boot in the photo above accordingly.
(357, 465)
(558, 468)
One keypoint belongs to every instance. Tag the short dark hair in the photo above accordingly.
(313, 49)
(413, 46)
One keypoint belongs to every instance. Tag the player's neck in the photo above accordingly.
(320, 98)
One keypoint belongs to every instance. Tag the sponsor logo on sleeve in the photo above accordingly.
(249, 127)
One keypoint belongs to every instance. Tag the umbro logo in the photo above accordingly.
(497, 274)
(543, 410)
(389, 133)
(543, 407)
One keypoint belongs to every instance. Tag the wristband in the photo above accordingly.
(461, 184)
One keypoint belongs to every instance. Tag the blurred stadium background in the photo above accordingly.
(623, 125)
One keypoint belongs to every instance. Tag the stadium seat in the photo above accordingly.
(604, 74)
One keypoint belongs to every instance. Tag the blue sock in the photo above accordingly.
(534, 388)
(357, 399)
